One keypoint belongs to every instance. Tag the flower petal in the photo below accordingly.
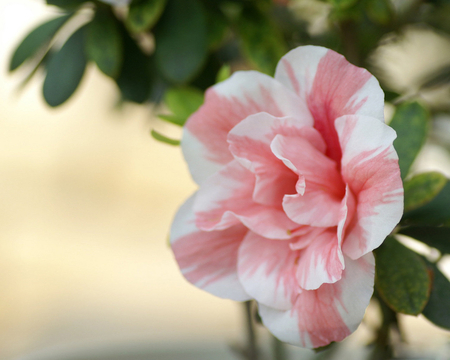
(370, 168)
(332, 87)
(225, 199)
(250, 145)
(327, 314)
(208, 259)
(204, 140)
(320, 188)
(266, 269)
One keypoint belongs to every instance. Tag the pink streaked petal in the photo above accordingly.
(226, 104)
(250, 144)
(327, 314)
(370, 168)
(332, 87)
(320, 187)
(321, 262)
(208, 259)
(266, 269)
(225, 199)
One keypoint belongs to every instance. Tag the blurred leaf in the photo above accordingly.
(436, 212)
(422, 188)
(104, 44)
(436, 237)
(182, 102)
(437, 308)
(410, 121)
(401, 277)
(180, 40)
(143, 14)
(438, 78)
(174, 119)
(262, 43)
(156, 135)
(217, 26)
(379, 11)
(135, 79)
(37, 39)
(66, 4)
(389, 96)
(65, 69)
(224, 73)
(343, 4)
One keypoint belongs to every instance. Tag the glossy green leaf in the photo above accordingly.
(104, 44)
(261, 41)
(160, 137)
(410, 121)
(135, 79)
(437, 308)
(181, 40)
(66, 4)
(434, 213)
(422, 188)
(183, 101)
(37, 39)
(143, 14)
(401, 277)
(65, 69)
(436, 237)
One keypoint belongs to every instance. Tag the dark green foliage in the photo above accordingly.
(66, 4)
(143, 14)
(410, 121)
(36, 40)
(437, 308)
(423, 188)
(181, 40)
(104, 44)
(401, 277)
(436, 237)
(65, 69)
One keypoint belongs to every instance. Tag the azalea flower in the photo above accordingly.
(298, 183)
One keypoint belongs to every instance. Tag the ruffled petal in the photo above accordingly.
(250, 145)
(208, 259)
(332, 87)
(327, 314)
(226, 104)
(320, 187)
(266, 270)
(225, 199)
(370, 168)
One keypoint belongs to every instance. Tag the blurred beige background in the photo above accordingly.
(87, 198)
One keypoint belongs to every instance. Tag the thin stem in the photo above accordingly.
(252, 350)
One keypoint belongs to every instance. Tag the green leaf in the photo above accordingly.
(143, 14)
(181, 40)
(104, 44)
(177, 120)
(423, 188)
(135, 79)
(261, 42)
(65, 70)
(343, 4)
(436, 237)
(37, 39)
(66, 4)
(217, 28)
(401, 277)
(437, 308)
(183, 101)
(410, 121)
(160, 137)
(224, 73)
(434, 213)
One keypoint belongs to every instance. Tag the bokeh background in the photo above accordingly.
(86, 202)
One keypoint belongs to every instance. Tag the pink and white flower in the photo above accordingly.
(298, 183)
